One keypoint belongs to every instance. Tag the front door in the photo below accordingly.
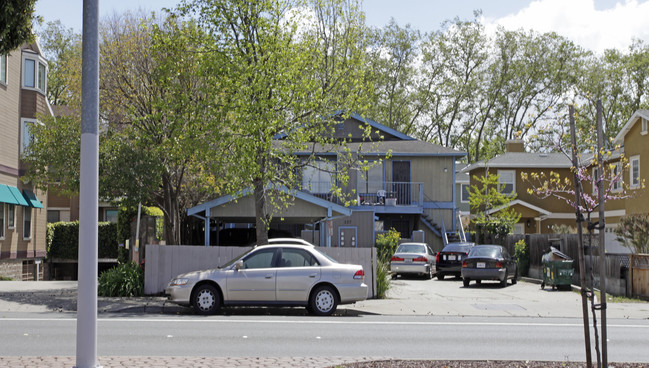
(401, 181)
(348, 236)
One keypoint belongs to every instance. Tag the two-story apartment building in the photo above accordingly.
(23, 83)
(410, 187)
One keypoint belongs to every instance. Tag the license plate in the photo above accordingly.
(480, 265)
(451, 258)
(408, 260)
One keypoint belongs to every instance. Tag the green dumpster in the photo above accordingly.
(557, 270)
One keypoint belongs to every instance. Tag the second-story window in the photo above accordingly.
(370, 180)
(466, 190)
(34, 72)
(26, 134)
(3, 69)
(318, 176)
(506, 181)
(617, 179)
(27, 223)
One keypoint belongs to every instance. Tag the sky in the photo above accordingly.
(593, 24)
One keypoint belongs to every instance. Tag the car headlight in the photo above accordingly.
(179, 282)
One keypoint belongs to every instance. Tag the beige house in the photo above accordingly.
(23, 83)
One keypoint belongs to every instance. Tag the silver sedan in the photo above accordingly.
(413, 259)
(277, 274)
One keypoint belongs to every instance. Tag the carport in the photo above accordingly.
(305, 209)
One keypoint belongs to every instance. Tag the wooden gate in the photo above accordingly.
(639, 265)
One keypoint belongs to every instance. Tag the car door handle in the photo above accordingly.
(313, 275)
(270, 276)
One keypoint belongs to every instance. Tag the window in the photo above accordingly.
(34, 72)
(26, 134)
(27, 222)
(634, 171)
(2, 220)
(260, 259)
(53, 216)
(318, 177)
(506, 182)
(371, 180)
(11, 216)
(297, 258)
(466, 190)
(111, 216)
(617, 179)
(644, 126)
(3, 69)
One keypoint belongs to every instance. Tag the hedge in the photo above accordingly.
(63, 240)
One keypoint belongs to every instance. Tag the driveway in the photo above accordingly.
(449, 298)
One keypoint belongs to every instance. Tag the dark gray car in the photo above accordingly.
(489, 262)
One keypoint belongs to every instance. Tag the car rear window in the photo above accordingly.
(411, 248)
(463, 248)
(491, 252)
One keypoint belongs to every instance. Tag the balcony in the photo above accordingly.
(392, 194)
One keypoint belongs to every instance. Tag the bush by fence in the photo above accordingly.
(63, 240)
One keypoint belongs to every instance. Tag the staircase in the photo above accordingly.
(440, 230)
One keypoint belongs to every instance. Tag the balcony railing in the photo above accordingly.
(389, 194)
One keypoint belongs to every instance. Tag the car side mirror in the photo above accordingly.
(238, 265)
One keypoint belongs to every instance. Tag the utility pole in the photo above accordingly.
(89, 191)
(601, 226)
(580, 240)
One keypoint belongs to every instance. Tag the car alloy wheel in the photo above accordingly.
(206, 299)
(323, 301)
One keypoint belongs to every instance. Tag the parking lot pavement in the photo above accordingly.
(449, 297)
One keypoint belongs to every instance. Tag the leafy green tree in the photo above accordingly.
(62, 48)
(489, 204)
(16, 24)
(633, 232)
(285, 67)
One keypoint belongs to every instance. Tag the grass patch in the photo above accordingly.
(5, 278)
(616, 299)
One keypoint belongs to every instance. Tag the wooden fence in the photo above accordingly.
(617, 265)
(639, 264)
(163, 262)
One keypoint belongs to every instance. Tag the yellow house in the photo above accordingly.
(634, 138)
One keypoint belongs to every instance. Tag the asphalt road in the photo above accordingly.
(396, 337)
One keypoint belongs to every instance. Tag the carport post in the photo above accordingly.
(207, 227)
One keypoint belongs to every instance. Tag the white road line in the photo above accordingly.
(403, 323)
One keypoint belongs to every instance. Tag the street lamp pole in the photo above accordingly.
(89, 191)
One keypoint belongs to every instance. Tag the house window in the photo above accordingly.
(34, 72)
(617, 179)
(53, 216)
(466, 190)
(644, 126)
(318, 177)
(11, 216)
(26, 134)
(506, 181)
(371, 180)
(27, 222)
(2, 220)
(3, 69)
(111, 216)
(634, 171)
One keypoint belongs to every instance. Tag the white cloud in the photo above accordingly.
(579, 20)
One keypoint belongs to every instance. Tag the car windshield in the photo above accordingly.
(411, 248)
(488, 252)
(233, 260)
(457, 248)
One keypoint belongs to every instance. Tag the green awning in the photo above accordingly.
(31, 198)
(12, 195)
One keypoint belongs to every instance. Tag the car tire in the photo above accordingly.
(503, 282)
(440, 276)
(465, 282)
(394, 276)
(323, 301)
(430, 275)
(206, 299)
(478, 282)
(514, 279)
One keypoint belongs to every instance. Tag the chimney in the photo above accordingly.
(515, 145)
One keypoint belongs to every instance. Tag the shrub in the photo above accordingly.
(522, 254)
(63, 240)
(126, 279)
(386, 245)
(382, 279)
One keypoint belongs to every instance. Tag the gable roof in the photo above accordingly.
(515, 202)
(382, 127)
(619, 138)
(524, 160)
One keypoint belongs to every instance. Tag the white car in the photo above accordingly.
(275, 274)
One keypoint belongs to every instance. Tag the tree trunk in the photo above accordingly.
(260, 212)
(171, 210)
